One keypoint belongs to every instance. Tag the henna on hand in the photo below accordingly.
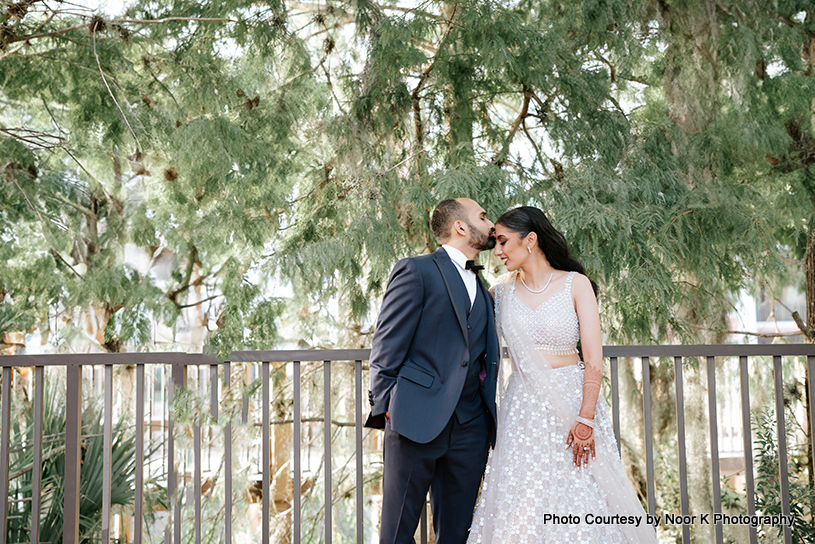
(592, 378)
(581, 439)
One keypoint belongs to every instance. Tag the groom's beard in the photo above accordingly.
(481, 241)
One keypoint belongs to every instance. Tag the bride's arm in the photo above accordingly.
(591, 341)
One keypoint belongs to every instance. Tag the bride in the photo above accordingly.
(555, 474)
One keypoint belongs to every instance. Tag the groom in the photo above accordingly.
(434, 362)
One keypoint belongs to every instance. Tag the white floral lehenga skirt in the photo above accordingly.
(532, 492)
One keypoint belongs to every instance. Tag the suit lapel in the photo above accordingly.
(484, 293)
(455, 289)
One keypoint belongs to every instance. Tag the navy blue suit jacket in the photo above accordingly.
(418, 348)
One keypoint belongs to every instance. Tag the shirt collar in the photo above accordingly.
(456, 256)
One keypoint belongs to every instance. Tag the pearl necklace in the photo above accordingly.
(544, 287)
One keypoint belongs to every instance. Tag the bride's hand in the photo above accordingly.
(581, 440)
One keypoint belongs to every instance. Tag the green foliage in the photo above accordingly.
(768, 483)
(303, 147)
(53, 470)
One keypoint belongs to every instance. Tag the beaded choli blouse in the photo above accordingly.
(553, 324)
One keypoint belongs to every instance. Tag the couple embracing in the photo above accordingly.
(434, 367)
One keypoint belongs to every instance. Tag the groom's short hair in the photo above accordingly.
(446, 213)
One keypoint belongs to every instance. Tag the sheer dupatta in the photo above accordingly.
(540, 380)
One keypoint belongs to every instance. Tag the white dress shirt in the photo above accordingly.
(468, 276)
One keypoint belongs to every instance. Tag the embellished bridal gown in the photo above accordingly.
(530, 473)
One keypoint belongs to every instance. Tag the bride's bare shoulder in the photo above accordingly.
(581, 286)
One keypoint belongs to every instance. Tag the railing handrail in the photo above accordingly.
(80, 359)
(313, 355)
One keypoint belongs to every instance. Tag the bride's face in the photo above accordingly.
(510, 247)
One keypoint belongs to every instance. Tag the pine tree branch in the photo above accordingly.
(70, 154)
(781, 303)
(191, 305)
(193, 260)
(25, 196)
(331, 86)
(617, 105)
(708, 293)
(789, 259)
(59, 257)
(805, 330)
(400, 163)
(104, 79)
(11, 52)
(636, 79)
(501, 159)
(74, 205)
(532, 141)
(674, 220)
(169, 19)
(51, 115)
(54, 33)
(416, 11)
(163, 86)
(605, 61)
(33, 137)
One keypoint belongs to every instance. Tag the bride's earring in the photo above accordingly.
(529, 249)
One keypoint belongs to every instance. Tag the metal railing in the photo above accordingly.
(220, 378)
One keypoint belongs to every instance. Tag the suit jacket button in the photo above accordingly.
(463, 363)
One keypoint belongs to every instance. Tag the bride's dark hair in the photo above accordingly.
(526, 219)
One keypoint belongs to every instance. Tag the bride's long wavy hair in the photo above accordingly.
(526, 219)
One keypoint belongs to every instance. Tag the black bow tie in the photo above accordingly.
(470, 265)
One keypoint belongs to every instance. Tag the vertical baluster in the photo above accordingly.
(265, 454)
(748, 445)
(167, 429)
(649, 433)
(73, 452)
(5, 432)
(213, 407)
(680, 435)
(213, 391)
(107, 454)
(783, 469)
(228, 463)
(245, 398)
(714, 444)
(327, 445)
(167, 390)
(139, 483)
(358, 415)
(615, 401)
(196, 446)
(296, 443)
(179, 380)
(36, 485)
(811, 365)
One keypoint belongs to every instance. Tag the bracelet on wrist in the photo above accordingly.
(585, 421)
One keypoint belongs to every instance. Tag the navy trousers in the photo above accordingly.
(451, 466)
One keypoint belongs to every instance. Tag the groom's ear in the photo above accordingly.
(459, 227)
